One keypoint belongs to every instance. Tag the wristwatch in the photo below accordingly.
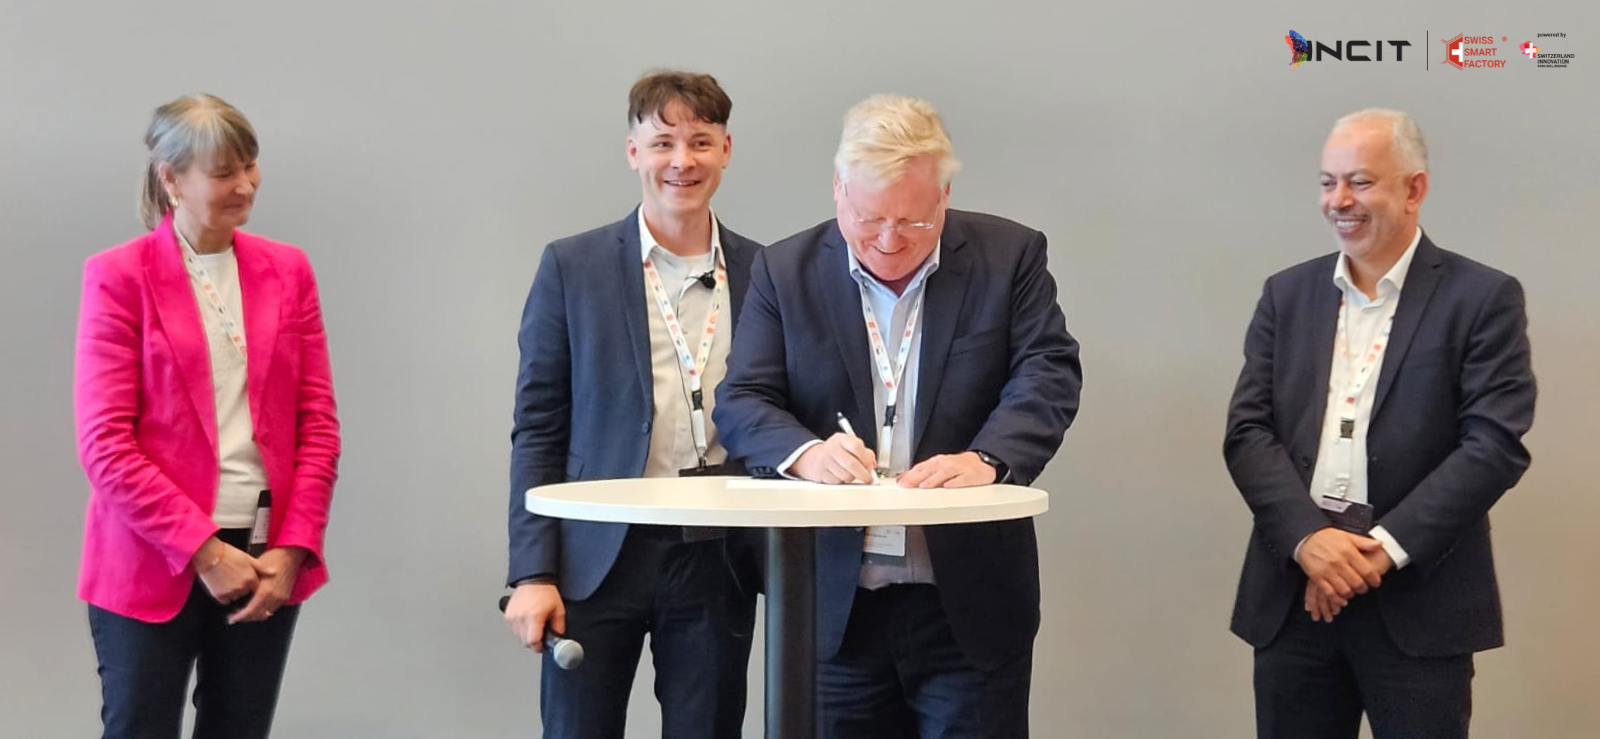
(1002, 472)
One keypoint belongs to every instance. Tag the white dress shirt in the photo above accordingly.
(917, 566)
(671, 436)
(1365, 320)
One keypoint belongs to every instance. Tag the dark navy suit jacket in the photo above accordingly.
(585, 392)
(1454, 397)
(998, 372)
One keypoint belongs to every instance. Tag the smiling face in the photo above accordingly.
(1369, 196)
(680, 159)
(215, 194)
(892, 228)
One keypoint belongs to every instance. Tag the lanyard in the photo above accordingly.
(691, 365)
(1360, 374)
(208, 288)
(889, 377)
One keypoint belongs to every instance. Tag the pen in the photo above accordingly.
(844, 425)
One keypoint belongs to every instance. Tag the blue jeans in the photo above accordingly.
(144, 669)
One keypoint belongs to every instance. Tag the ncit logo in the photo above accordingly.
(1303, 50)
(1299, 48)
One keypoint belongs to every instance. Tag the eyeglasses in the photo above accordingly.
(901, 227)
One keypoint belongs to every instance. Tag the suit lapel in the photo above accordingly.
(180, 322)
(1325, 297)
(630, 276)
(1420, 281)
(831, 275)
(261, 298)
(944, 295)
(737, 259)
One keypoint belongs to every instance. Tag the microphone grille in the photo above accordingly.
(568, 654)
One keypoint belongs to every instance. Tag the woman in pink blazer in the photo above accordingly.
(204, 404)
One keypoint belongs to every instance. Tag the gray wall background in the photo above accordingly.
(423, 153)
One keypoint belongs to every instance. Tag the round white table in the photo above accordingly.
(787, 509)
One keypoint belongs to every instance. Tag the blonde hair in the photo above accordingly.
(1406, 138)
(883, 133)
(202, 128)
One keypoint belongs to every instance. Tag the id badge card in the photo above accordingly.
(884, 545)
(709, 470)
(1348, 515)
(702, 533)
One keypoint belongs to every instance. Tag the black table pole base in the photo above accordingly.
(791, 634)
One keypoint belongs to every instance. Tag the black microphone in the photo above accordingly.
(567, 653)
(708, 279)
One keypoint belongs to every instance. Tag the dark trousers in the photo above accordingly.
(700, 621)
(900, 675)
(1315, 680)
(144, 669)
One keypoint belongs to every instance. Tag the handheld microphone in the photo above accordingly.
(567, 653)
(708, 279)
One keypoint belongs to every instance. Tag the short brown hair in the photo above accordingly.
(700, 93)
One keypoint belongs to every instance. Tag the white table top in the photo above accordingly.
(742, 501)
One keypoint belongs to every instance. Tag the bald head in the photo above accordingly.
(1406, 143)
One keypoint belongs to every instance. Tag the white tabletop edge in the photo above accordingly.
(727, 502)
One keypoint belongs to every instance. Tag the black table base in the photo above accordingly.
(791, 634)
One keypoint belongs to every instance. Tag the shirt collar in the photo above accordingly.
(861, 276)
(648, 243)
(1395, 278)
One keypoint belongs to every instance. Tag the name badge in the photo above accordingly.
(884, 545)
(1348, 515)
(703, 533)
(710, 470)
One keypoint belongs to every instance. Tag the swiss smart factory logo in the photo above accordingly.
(1464, 51)
(1302, 50)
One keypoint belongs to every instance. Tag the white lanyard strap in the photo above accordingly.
(1366, 359)
(208, 288)
(692, 366)
(889, 376)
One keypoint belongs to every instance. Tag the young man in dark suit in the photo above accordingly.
(615, 382)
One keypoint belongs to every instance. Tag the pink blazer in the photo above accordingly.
(146, 417)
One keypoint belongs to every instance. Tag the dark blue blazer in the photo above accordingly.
(585, 392)
(998, 372)
(1454, 397)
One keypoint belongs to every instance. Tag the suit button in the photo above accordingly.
(644, 428)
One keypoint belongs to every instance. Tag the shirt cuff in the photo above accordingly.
(1296, 556)
(1391, 547)
(783, 468)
